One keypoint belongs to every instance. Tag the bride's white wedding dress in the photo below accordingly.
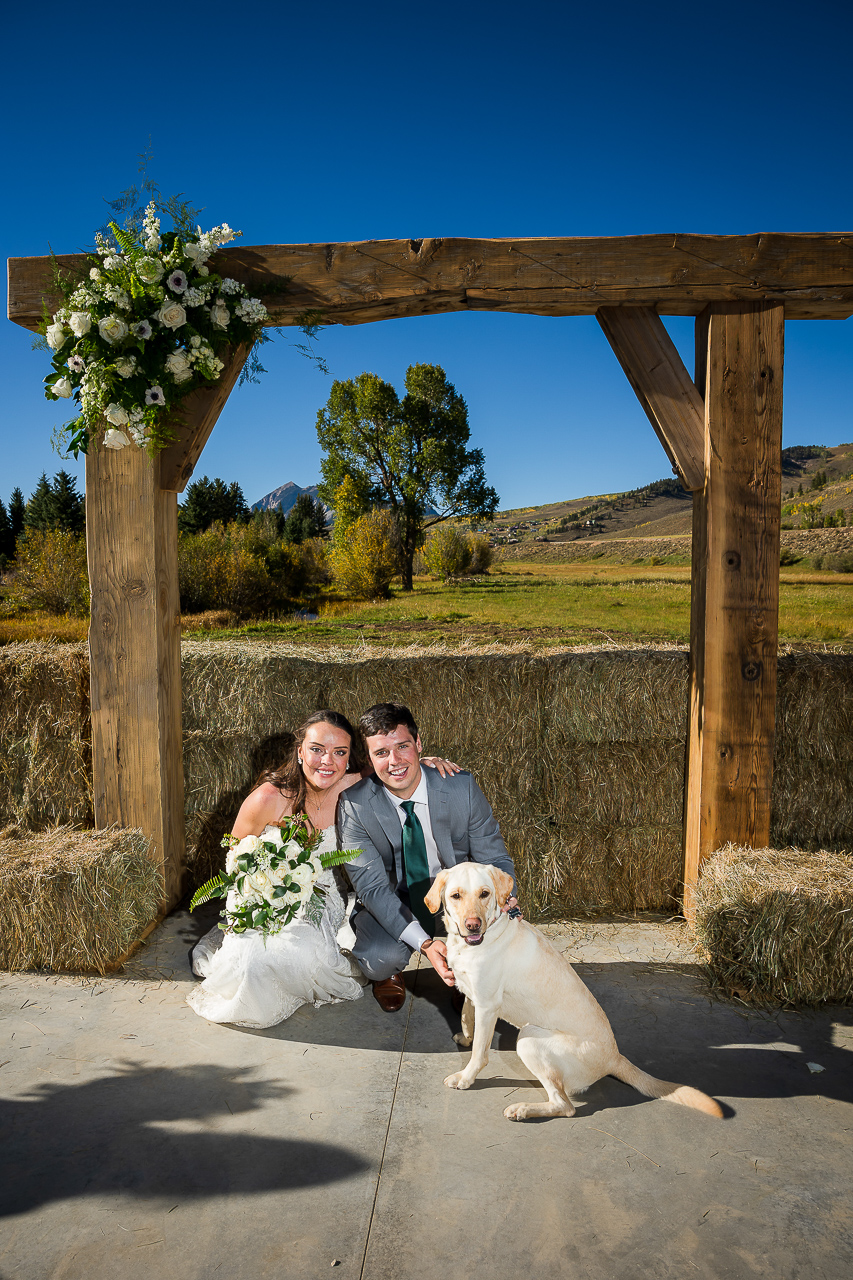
(257, 980)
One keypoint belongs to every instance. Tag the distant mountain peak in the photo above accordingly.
(284, 497)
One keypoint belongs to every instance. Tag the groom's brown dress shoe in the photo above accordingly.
(391, 993)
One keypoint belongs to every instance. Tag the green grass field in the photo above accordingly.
(537, 605)
(548, 605)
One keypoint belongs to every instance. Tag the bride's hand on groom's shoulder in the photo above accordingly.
(445, 767)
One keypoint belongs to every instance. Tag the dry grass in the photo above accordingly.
(73, 899)
(777, 924)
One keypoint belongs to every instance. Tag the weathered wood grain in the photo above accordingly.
(663, 386)
(199, 414)
(735, 619)
(355, 283)
(134, 647)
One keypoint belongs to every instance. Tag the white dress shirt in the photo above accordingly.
(415, 935)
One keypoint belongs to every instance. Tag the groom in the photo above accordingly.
(409, 823)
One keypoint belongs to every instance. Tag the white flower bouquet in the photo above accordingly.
(145, 328)
(268, 879)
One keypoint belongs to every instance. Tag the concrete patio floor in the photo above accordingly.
(139, 1140)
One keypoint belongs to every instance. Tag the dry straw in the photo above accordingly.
(73, 899)
(777, 924)
(45, 757)
(581, 752)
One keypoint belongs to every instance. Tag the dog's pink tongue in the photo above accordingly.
(474, 938)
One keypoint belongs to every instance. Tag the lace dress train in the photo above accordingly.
(253, 980)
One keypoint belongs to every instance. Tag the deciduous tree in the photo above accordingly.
(409, 455)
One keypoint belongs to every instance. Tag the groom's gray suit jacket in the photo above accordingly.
(462, 823)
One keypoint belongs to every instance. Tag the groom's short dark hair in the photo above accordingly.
(385, 717)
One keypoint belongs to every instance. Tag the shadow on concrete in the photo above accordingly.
(114, 1135)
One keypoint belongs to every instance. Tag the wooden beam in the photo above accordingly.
(199, 414)
(735, 615)
(663, 386)
(354, 283)
(135, 655)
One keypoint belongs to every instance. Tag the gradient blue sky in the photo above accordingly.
(336, 122)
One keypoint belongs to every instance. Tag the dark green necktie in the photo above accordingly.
(416, 866)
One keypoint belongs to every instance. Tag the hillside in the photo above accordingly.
(817, 482)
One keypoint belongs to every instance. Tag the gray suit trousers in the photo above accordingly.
(378, 954)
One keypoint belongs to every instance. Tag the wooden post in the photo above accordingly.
(735, 606)
(135, 653)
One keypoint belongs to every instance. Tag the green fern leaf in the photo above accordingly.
(213, 888)
(338, 857)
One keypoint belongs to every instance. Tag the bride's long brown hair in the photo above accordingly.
(289, 776)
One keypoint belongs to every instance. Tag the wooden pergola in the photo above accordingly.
(721, 429)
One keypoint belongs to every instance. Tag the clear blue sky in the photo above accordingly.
(296, 123)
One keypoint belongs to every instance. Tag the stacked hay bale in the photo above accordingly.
(613, 779)
(580, 754)
(777, 924)
(74, 899)
(46, 757)
(812, 800)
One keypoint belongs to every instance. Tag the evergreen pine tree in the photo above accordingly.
(210, 500)
(69, 513)
(17, 511)
(39, 512)
(7, 541)
(305, 519)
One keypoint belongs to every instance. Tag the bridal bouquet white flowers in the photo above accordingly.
(145, 328)
(268, 878)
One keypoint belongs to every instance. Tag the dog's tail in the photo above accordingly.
(652, 1088)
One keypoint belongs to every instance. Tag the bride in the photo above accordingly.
(256, 980)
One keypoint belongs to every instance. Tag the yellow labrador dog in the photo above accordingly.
(508, 969)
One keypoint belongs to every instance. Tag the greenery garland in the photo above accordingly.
(145, 328)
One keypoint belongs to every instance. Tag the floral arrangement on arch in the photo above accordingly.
(144, 329)
(270, 878)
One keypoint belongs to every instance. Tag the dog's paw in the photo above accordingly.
(516, 1112)
(465, 1041)
(457, 1081)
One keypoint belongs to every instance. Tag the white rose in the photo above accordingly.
(56, 335)
(149, 270)
(112, 329)
(116, 415)
(303, 876)
(261, 883)
(172, 315)
(125, 366)
(179, 366)
(80, 322)
(249, 844)
(115, 439)
(220, 315)
(62, 387)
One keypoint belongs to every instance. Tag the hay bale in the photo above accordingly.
(73, 899)
(45, 761)
(619, 695)
(777, 924)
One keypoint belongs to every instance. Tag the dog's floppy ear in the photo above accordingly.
(503, 885)
(433, 898)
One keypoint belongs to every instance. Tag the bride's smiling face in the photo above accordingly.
(324, 754)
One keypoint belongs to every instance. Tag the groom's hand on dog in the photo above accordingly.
(512, 909)
(436, 953)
